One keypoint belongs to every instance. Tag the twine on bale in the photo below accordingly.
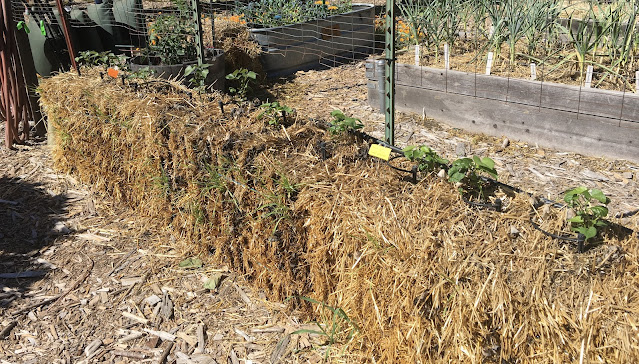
(426, 277)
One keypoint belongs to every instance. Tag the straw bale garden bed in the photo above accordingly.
(394, 271)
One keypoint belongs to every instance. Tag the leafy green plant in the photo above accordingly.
(94, 59)
(427, 158)
(590, 207)
(196, 75)
(171, 36)
(274, 112)
(585, 36)
(271, 13)
(141, 74)
(338, 325)
(466, 172)
(275, 206)
(243, 79)
(342, 123)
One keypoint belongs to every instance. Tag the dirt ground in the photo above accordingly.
(84, 280)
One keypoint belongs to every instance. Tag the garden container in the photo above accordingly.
(295, 47)
(216, 76)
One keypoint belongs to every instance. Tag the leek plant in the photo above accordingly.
(584, 36)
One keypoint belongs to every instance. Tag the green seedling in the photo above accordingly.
(342, 123)
(196, 75)
(466, 173)
(94, 59)
(141, 74)
(590, 207)
(428, 159)
(274, 112)
(243, 79)
(339, 323)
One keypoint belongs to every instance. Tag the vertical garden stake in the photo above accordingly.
(389, 74)
(197, 17)
(67, 34)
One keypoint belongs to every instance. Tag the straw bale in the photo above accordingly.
(240, 50)
(426, 277)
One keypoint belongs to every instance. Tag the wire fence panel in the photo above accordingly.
(574, 56)
(291, 35)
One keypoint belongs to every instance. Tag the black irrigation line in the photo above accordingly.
(497, 206)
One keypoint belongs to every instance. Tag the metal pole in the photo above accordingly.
(67, 34)
(197, 18)
(389, 74)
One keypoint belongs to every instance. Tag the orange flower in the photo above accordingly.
(332, 7)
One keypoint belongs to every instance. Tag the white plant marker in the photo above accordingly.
(588, 81)
(637, 82)
(533, 71)
(489, 62)
(417, 53)
(446, 59)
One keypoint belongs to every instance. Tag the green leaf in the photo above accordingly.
(577, 219)
(189, 70)
(251, 74)
(213, 282)
(191, 263)
(589, 232)
(488, 163)
(338, 114)
(599, 196)
(455, 177)
(599, 211)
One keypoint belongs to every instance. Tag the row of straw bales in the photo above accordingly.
(425, 277)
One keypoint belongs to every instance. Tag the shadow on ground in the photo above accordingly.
(30, 219)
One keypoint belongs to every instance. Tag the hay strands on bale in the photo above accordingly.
(424, 276)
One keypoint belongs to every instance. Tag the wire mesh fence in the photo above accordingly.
(551, 54)
(291, 35)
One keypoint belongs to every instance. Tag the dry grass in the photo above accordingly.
(427, 278)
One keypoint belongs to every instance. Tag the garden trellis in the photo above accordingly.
(292, 34)
(561, 73)
(579, 43)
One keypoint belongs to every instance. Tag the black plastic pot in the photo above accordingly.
(215, 78)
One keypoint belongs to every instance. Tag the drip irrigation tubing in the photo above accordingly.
(542, 199)
(580, 239)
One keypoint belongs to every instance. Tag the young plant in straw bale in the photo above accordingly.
(342, 123)
(339, 326)
(100, 59)
(466, 174)
(242, 81)
(590, 208)
(428, 160)
(274, 113)
(196, 75)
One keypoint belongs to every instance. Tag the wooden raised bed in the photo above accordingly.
(584, 120)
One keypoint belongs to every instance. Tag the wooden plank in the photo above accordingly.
(601, 103)
(491, 87)
(555, 96)
(460, 83)
(630, 110)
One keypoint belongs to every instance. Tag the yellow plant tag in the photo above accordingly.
(379, 151)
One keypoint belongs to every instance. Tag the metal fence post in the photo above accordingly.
(197, 18)
(389, 74)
